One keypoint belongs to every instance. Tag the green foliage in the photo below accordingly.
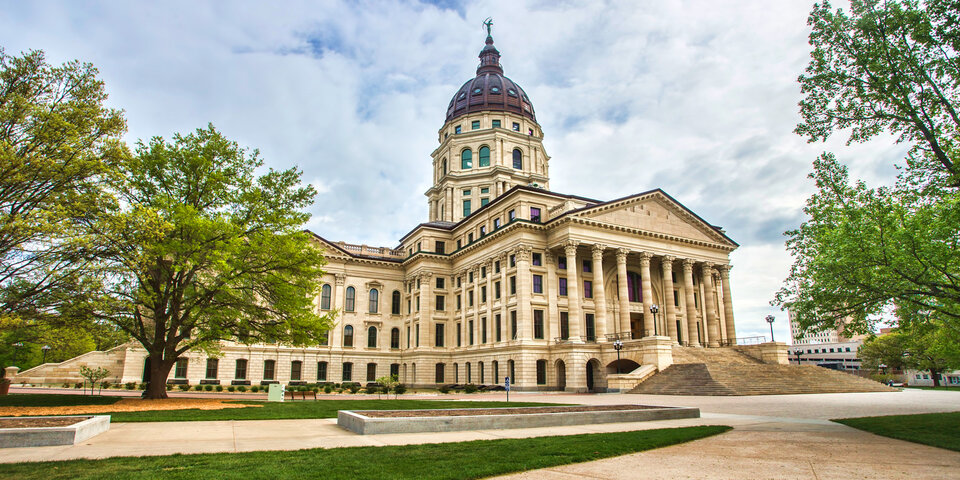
(387, 383)
(242, 388)
(231, 388)
(935, 429)
(93, 375)
(327, 389)
(887, 65)
(130, 385)
(399, 389)
(925, 347)
(469, 388)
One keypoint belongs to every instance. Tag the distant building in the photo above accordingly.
(833, 355)
(824, 336)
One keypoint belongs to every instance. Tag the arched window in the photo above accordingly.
(395, 303)
(350, 302)
(348, 336)
(484, 156)
(325, 297)
(466, 160)
(372, 337)
(395, 338)
(634, 287)
(443, 167)
(517, 159)
(374, 300)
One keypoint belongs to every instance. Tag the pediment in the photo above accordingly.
(656, 212)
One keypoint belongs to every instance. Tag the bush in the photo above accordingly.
(66, 385)
(230, 388)
(219, 388)
(198, 388)
(327, 389)
(184, 387)
(78, 385)
(142, 386)
(469, 388)
(169, 387)
(105, 385)
(400, 389)
(315, 389)
(242, 388)
(371, 390)
(354, 388)
(208, 388)
(444, 389)
(255, 389)
(130, 385)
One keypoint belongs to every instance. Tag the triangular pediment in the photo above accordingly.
(655, 212)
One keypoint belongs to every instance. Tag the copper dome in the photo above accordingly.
(490, 90)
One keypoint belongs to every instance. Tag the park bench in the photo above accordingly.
(292, 395)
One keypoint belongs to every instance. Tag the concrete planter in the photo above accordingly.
(46, 436)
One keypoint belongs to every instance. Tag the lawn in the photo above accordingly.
(301, 409)
(955, 388)
(934, 429)
(53, 400)
(463, 460)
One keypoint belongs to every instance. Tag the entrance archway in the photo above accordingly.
(624, 365)
(593, 374)
(561, 375)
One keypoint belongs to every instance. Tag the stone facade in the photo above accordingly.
(507, 278)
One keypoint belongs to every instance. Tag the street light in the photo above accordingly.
(883, 368)
(770, 320)
(16, 351)
(618, 345)
(654, 309)
(798, 352)
(45, 348)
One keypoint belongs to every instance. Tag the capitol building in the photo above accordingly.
(504, 278)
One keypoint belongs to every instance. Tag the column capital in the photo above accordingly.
(341, 278)
(523, 253)
(725, 269)
(668, 259)
(598, 249)
(622, 256)
(570, 247)
(645, 259)
(706, 267)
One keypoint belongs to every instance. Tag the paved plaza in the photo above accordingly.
(784, 436)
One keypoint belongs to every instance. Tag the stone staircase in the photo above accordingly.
(725, 371)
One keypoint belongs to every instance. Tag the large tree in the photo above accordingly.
(57, 143)
(924, 347)
(200, 249)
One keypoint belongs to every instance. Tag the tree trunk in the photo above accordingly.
(159, 370)
(934, 374)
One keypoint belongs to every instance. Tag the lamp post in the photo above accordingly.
(618, 345)
(883, 368)
(45, 348)
(16, 351)
(770, 320)
(798, 352)
(654, 309)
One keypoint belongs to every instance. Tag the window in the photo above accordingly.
(496, 123)
(483, 294)
(496, 372)
(496, 290)
(374, 300)
(395, 338)
(240, 373)
(496, 266)
(562, 263)
(439, 247)
(513, 261)
(496, 223)
(470, 298)
(534, 214)
(459, 244)
(517, 159)
(372, 337)
(456, 129)
(513, 325)
(180, 370)
(479, 372)
(634, 290)
(459, 302)
(296, 370)
(466, 160)
(676, 298)
(470, 238)
(516, 126)
(591, 327)
(441, 303)
(349, 304)
(470, 332)
(348, 336)
(484, 157)
(466, 192)
(371, 372)
(269, 369)
(212, 367)
(475, 125)
(538, 284)
(459, 338)
(538, 324)
(439, 373)
(587, 266)
(440, 282)
(497, 328)
(439, 337)
(541, 372)
(443, 170)
(587, 289)
(537, 259)
(325, 297)
(466, 213)
(395, 370)
(484, 201)
(483, 228)
(418, 335)
(322, 371)
(483, 271)
(564, 325)
(483, 330)
(511, 215)
(347, 372)
(485, 190)
(529, 131)
(562, 287)
(512, 370)
(470, 276)
(408, 337)
(513, 285)
(469, 373)
(395, 302)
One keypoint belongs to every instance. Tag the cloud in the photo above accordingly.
(698, 98)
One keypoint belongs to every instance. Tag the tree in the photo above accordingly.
(387, 383)
(57, 142)
(924, 347)
(198, 249)
(94, 376)
(888, 65)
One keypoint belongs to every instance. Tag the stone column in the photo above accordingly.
(622, 293)
(692, 338)
(336, 333)
(504, 294)
(552, 288)
(464, 334)
(476, 304)
(728, 304)
(671, 311)
(599, 296)
(524, 287)
(648, 327)
(709, 305)
(573, 291)
(489, 322)
(426, 310)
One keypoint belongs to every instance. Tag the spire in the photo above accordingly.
(489, 56)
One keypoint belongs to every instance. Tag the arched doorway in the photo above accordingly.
(624, 365)
(594, 376)
(561, 375)
(589, 376)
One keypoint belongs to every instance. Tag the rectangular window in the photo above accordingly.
(676, 298)
(483, 228)
(538, 324)
(511, 215)
(484, 201)
(180, 371)
(587, 289)
(296, 369)
(470, 332)
(483, 330)
(497, 328)
(418, 303)
(241, 371)
(408, 337)
(456, 129)
(470, 238)
(562, 263)
(459, 338)
(213, 365)
(322, 371)
(537, 259)
(496, 290)
(496, 124)
(513, 261)
(562, 286)
(483, 294)
(417, 332)
(513, 325)
(470, 298)
(475, 125)
(496, 223)
(466, 208)
(538, 284)
(439, 373)
(395, 370)
(440, 282)
(441, 303)
(485, 190)
(459, 244)
(459, 281)
(439, 247)
(513, 285)
(591, 327)
(534, 214)
(496, 266)
(516, 127)
(459, 302)
(541, 372)
(483, 271)
(564, 325)
(269, 369)
(439, 332)
(587, 266)
(371, 372)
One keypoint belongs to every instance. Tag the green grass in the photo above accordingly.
(463, 460)
(934, 429)
(301, 409)
(53, 400)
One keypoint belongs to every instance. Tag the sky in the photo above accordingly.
(698, 98)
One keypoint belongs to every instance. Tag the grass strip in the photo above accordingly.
(935, 429)
(462, 460)
(302, 409)
(53, 400)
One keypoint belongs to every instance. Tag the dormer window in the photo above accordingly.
(495, 90)
(477, 91)
(462, 95)
(512, 92)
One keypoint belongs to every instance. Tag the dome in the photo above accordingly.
(490, 90)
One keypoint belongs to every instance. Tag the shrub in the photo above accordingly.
(400, 389)
(255, 389)
(371, 390)
(66, 385)
(208, 388)
(198, 388)
(78, 385)
(105, 385)
(327, 389)
(242, 388)
(219, 388)
(230, 388)
(315, 389)
(354, 388)
(169, 387)
(444, 389)
(142, 386)
(130, 385)
(184, 387)
(469, 388)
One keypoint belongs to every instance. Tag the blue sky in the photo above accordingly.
(695, 97)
